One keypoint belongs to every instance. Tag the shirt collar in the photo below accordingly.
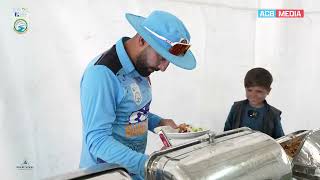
(123, 56)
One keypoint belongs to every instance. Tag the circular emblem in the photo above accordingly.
(20, 26)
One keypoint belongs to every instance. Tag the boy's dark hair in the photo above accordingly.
(258, 77)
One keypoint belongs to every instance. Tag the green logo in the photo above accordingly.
(20, 26)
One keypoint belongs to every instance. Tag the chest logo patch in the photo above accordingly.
(136, 93)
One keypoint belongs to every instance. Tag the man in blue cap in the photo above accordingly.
(116, 93)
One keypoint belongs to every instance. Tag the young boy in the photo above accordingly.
(255, 112)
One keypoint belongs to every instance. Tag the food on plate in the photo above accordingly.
(184, 128)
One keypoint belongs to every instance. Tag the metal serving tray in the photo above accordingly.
(306, 159)
(237, 154)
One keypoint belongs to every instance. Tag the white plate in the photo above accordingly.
(174, 134)
(166, 129)
(186, 135)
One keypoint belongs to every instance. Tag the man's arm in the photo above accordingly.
(155, 121)
(100, 94)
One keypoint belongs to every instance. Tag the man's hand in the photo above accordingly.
(168, 122)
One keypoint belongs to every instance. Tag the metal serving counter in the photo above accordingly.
(241, 154)
(97, 172)
(237, 154)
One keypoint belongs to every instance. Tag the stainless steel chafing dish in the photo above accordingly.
(237, 154)
(97, 172)
(306, 153)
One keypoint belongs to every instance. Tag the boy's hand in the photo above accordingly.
(168, 122)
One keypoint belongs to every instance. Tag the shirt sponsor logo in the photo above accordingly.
(137, 122)
(136, 93)
(137, 129)
(140, 115)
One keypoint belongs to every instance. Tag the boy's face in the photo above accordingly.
(256, 95)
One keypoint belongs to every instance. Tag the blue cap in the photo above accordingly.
(167, 26)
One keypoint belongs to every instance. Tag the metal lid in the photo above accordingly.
(238, 154)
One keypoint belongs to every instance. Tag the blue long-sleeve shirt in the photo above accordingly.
(115, 102)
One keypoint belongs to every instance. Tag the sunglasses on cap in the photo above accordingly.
(177, 48)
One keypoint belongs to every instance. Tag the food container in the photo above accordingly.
(237, 154)
(305, 153)
(292, 142)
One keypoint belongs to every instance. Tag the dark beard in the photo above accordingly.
(142, 69)
(141, 64)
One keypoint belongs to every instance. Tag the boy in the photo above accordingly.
(255, 112)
